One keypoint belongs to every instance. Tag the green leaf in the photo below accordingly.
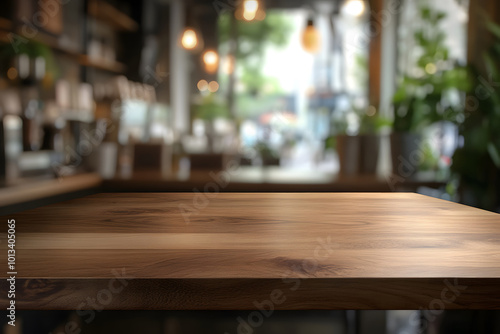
(494, 155)
(400, 95)
(425, 12)
(440, 16)
(491, 66)
(493, 27)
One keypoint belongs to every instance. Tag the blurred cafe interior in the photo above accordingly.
(267, 95)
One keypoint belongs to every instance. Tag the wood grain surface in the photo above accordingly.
(34, 190)
(237, 250)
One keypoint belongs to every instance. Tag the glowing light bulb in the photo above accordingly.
(249, 16)
(213, 86)
(202, 85)
(311, 39)
(189, 39)
(228, 64)
(251, 5)
(12, 73)
(211, 61)
(250, 8)
(354, 7)
(210, 57)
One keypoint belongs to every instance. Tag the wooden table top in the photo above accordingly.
(236, 250)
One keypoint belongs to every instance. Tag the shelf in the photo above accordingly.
(105, 12)
(84, 60)
(114, 67)
(66, 51)
(41, 37)
(5, 29)
(5, 24)
(4, 37)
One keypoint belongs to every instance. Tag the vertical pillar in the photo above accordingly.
(384, 16)
(179, 76)
(374, 63)
(388, 19)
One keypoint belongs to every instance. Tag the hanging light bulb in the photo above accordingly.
(354, 7)
(228, 64)
(311, 39)
(202, 85)
(250, 10)
(213, 86)
(189, 39)
(211, 61)
(210, 57)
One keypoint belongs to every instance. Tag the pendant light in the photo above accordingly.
(354, 8)
(191, 38)
(210, 61)
(311, 39)
(250, 10)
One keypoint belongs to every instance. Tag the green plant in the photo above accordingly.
(209, 108)
(33, 50)
(372, 124)
(429, 159)
(369, 124)
(330, 142)
(265, 151)
(30, 48)
(338, 126)
(476, 165)
(422, 95)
